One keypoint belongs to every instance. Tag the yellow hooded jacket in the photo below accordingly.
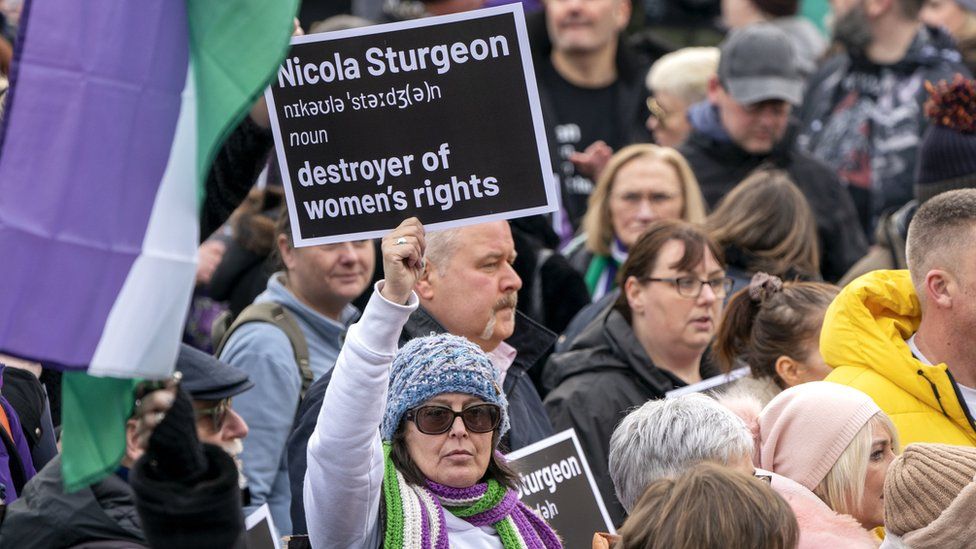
(864, 340)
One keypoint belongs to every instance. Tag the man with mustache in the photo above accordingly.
(863, 113)
(46, 516)
(468, 288)
(745, 124)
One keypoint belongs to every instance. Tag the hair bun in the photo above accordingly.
(764, 285)
(952, 105)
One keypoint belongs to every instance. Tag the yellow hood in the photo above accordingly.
(865, 328)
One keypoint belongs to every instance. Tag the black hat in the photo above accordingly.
(207, 378)
(947, 153)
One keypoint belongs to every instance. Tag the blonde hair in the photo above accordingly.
(596, 222)
(684, 73)
(767, 216)
(843, 487)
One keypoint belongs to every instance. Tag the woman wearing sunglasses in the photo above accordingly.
(404, 452)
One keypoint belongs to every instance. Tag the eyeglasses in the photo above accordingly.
(218, 413)
(689, 286)
(435, 420)
(633, 199)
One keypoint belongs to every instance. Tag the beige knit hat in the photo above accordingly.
(923, 482)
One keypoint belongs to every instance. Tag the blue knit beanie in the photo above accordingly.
(429, 366)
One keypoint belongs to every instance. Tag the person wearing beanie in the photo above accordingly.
(958, 18)
(930, 498)
(831, 440)
(946, 161)
(416, 429)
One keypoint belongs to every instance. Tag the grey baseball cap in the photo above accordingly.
(758, 63)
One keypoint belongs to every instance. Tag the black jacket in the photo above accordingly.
(525, 411)
(552, 290)
(597, 382)
(719, 165)
(45, 517)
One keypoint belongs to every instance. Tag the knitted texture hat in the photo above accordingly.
(805, 429)
(923, 482)
(429, 366)
(947, 153)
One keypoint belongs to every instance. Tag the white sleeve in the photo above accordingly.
(345, 454)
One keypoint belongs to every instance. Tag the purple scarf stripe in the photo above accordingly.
(536, 523)
(425, 531)
(448, 492)
(499, 512)
(442, 534)
(529, 533)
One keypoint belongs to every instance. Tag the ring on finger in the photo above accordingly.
(400, 241)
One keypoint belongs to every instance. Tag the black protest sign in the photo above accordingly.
(436, 118)
(556, 482)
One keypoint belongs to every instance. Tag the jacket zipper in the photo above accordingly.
(962, 401)
(935, 390)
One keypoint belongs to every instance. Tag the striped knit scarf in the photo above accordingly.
(415, 514)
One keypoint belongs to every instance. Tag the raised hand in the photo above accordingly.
(403, 254)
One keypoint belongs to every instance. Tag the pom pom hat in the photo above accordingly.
(429, 366)
(947, 154)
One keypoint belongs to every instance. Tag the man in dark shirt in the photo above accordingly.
(592, 95)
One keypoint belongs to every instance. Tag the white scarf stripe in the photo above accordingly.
(412, 533)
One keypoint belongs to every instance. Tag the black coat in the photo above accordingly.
(597, 382)
(720, 165)
(525, 411)
(45, 516)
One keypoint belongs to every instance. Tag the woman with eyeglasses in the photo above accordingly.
(404, 454)
(641, 184)
(651, 341)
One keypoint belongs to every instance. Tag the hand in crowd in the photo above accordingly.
(209, 255)
(154, 400)
(593, 159)
(403, 253)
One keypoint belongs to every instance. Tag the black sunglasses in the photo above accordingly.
(436, 419)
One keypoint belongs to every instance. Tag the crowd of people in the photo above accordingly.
(783, 213)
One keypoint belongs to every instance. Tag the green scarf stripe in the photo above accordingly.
(509, 534)
(394, 504)
(597, 265)
(493, 495)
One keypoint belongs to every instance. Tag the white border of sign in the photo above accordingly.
(555, 439)
(535, 108)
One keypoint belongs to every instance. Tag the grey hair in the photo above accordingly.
(441, 246)
(665, 437)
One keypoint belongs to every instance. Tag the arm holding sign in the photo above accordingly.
(345, 454)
